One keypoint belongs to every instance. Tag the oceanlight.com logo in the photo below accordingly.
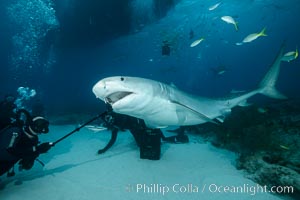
(164, 189)
(252, 190)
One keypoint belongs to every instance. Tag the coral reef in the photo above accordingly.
(267, 140)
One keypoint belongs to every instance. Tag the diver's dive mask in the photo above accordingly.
(39, 125)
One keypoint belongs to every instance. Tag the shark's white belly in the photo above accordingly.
(159, 111)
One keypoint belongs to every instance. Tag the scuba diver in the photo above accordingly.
(148, 140)
(165, 48)
(7, 107)
(19, 142)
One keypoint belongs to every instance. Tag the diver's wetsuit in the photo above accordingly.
(115, 122)
(19, 142)
(14, 146)
(143, 135)
(6, 113)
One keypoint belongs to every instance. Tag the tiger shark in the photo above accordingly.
(161, 105)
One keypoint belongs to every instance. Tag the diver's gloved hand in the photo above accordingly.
(109, 121)
(44, 147)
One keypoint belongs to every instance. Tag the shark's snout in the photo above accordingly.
(111, 91)
(98, 89)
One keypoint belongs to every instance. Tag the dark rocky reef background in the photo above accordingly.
(267, 140)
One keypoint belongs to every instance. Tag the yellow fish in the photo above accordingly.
(254, 36)
(214, 6)
(230, 20)
(196, 42)
(289, 56)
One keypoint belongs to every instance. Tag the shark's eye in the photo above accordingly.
(122, 78)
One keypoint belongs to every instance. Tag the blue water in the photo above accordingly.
(62, 48)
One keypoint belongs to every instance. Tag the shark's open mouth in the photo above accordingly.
(116, 96)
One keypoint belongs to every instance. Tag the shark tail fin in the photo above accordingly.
(267, 85)
(272, 93)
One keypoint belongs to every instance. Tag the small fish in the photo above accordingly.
(196, 42)
(254, 36)
(96, 128)
(233, 91)
(284, 147)
(262, 110)
(230, 20)
(289, 56)
(214, 6)
(220, 70)
(238, 43)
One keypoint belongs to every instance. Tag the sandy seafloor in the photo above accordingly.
(74, 171)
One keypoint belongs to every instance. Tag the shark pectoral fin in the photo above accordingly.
(204, 117)
(180, 115)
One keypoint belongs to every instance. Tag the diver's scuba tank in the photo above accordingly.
(23, 118)
(150, 147)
